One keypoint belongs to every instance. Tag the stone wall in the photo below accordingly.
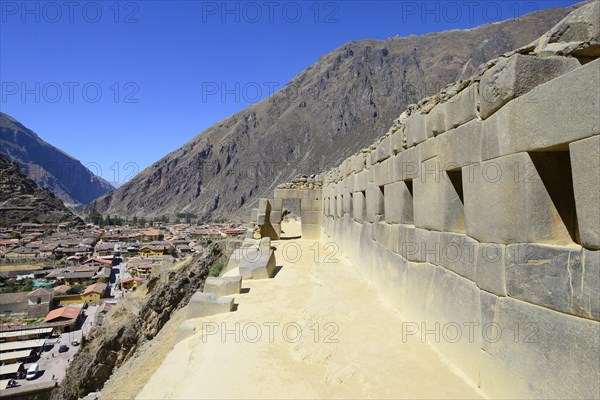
(268, 215)
(38, 310)
(478, 216)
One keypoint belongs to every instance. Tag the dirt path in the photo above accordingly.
(317, 330)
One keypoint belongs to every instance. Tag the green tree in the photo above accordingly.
(95, 218)
(214, 248)
(75, 289)
(216, 268)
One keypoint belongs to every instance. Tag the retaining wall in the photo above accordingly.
(478, 217)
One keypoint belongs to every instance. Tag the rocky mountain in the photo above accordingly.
(343, 102)
(22, 200)
(50, 167)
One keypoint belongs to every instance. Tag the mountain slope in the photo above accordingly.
(22, 200)
(346, 100)
(48, 166)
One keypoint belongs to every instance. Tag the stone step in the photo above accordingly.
(257, 264)
(207, 304)
(223, 286)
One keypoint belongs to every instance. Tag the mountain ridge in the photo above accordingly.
(343, 102)
(48, 165)
(22, 200)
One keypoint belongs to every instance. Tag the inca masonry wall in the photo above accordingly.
(477, 216)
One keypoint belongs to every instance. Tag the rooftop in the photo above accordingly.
(68, 312)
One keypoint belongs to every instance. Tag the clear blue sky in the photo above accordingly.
(127, 82)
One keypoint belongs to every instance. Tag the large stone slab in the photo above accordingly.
(398, 204)
(552, 277)
(276, 204)
(275, 217)
(347, 203)
(582, 25)
(206, 304)
(264, 206)
(286, 194)
(558, 112)
(585, 164)
(381, 172)
(428, 197)
(408, 246)
(310, 204)
(359, 210)
(462, 107)
(430, 148)
(358, 162)
(438, 199)
(517, 75)
(311, 217)
(587, 294)
(235, 259)
(406, 165)
(458, 253)
(333, 206)
(398, 141)
(389, 276)
(264, 243)
(501, 207)
(461, 146)
(453, 314)
(361, 181)
(382, 151)
(349, 183)
(381, 233)
(419, 286)
(487, 329)
(223, 286)
(428, 246)
(184, 331)
(540, 354)
(257, 264)
(491, 264)
(435, 122)
(416, 129)
(375, 203)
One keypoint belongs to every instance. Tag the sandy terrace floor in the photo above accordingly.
(316, 330)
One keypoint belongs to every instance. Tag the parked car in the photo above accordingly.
(63, 348)
(75, 342)
(32, 372)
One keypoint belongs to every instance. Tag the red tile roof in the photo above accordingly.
(132, 279)
(68, 312)
(98, 287)
(99, 260)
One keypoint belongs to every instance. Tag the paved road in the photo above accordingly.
(54, 364)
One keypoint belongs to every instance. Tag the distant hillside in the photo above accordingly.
(50, 167)
(22, 200)
(343, 102)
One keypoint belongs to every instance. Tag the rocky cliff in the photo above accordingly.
(135, 320)
(50, 167)
(346, 100)
(22, 200)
